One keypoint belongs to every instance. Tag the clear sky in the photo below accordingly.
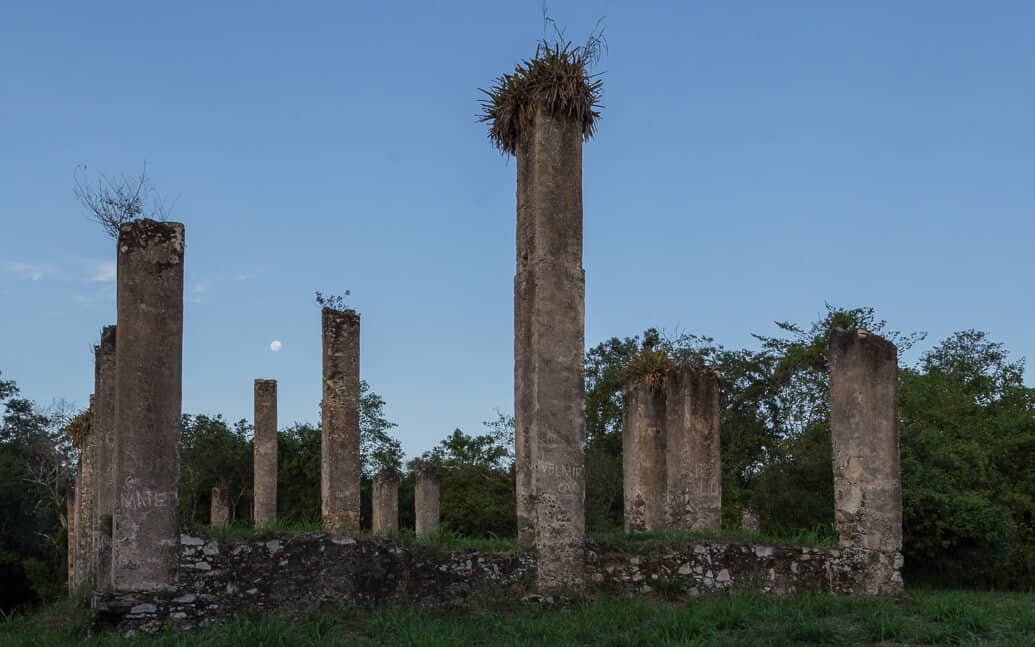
(754, 159)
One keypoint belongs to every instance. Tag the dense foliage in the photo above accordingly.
(967, 440)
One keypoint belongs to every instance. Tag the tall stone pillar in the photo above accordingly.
(643, 458)
(70, 512)
(693, 448)
(426, 500)
(340, 468)
(148, 397)
(265, 447)
(85, 500)
(865, 443)
(549, 347)
(103, 429)
(386, 503)
(219, 508)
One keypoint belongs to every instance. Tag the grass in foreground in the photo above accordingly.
(924, 617)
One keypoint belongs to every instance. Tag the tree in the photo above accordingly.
(35, 468)
(214, 454)
(115, 201)
(968, 464)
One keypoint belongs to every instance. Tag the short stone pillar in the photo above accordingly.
(148, 397)
(865, 443)
(549, 345)
(426, 500)
(339, 451)
(693, 448)
(219, 508)
(264, 508)
(70, 510)
(643, 457)
(102, 427)
(386, 503)
(750, 521)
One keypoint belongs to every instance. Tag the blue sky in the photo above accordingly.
(753, 161)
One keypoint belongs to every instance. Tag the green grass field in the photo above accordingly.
(922, 618)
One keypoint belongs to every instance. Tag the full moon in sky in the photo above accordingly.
(275, 346)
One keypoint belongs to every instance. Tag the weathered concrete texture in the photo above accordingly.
(386, 504)
(219, 507)
(148, 397)
(340, 468)
(692, 448)
(426, 500)
(264, 497)
(523, 374)
(643, 458)
(865, 438)
(70, 531)
(750, 521)
(102, 426)
(549, 346)
(293, 575)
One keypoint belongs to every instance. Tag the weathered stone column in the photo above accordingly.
(426, 500)
(643, 457)
(265, 448)
(148, 397)
(749, 521)
(549, 345)
(693, 448)
(865, 442)
(70, 513)
(85, 500)
(102, 426)
(219, 508)
(386, 503)
(340, 468)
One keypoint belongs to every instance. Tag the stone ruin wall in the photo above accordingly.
(291, 575)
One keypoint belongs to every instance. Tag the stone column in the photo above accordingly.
(386, 503)
(643, 458)
(692, 448)
(749, 521)
(340, 468)
(219, 508)
(265, 458)
(426, 500)
(549, 347)
(865, 443)
(71, 539)
(148, 397)
(85, 500)
(103, 429)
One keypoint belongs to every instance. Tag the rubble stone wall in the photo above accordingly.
(291, 575)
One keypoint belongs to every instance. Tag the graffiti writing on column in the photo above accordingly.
(134, 497)
(568, 475)
(705, 480)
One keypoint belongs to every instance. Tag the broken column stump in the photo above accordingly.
(643, 457)
(693, 448)
(148, 375)
(386, 503)
(426, 500)
(340, 467)
(865, 445)
(264, 499)
(219, 508)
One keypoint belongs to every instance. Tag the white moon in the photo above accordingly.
(275, 346)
